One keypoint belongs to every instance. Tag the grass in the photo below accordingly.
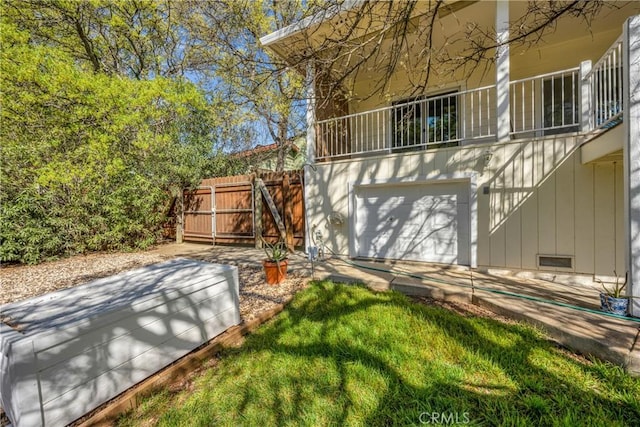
(343, 355)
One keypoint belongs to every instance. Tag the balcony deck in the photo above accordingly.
(582, 99)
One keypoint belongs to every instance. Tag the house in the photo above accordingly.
(265, 157)
(529, 164)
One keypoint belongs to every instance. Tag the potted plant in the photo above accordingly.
(612, 300)
(275, 265)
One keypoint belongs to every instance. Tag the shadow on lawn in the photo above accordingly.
(530, 389)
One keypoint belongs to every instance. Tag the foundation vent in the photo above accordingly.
(555, 261)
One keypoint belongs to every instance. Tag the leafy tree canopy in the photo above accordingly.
(110, 108)
(91, 160)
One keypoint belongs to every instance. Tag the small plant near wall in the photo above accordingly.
(611, 297)
(276, 263)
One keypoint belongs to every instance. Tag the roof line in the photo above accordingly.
(307, 22)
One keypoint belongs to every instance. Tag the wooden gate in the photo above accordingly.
(233, 210)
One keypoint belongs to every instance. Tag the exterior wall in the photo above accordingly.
(550, 57)
(571, 43)
(476, 111)
(541, 200)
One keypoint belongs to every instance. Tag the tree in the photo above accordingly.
(213, 42)
(110, 108)
(268, 91)
(136, 38)
(90, 161)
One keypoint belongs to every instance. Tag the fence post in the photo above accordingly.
(257, 215)
(288, 212)
(180, 217)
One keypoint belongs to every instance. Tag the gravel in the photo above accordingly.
(27, 281)
(20, 282)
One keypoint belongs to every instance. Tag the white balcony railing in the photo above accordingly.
(434, 121)
(605, 81)
(541, 105)
(546, 104)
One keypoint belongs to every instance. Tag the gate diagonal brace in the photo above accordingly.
(272, 208)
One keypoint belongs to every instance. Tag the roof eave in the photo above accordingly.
(308, 22)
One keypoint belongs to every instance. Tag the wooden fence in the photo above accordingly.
(233, 209)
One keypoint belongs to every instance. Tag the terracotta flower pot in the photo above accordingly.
(275, 272)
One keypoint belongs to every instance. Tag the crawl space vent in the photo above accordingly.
(555, 261)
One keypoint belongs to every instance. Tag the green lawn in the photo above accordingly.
(344, 355)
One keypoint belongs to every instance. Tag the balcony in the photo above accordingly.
(583, 99)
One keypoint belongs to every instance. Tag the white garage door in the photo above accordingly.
(419, 222)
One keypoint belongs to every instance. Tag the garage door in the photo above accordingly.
(419, 222)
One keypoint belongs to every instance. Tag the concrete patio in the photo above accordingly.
(568, 313)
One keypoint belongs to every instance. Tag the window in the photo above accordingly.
(560, 104)
(425, 122)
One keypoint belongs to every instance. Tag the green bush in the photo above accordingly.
(90, 161)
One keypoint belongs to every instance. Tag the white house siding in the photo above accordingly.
(541, 200)
(571, 43)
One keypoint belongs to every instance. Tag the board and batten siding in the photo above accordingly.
(541, 200)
